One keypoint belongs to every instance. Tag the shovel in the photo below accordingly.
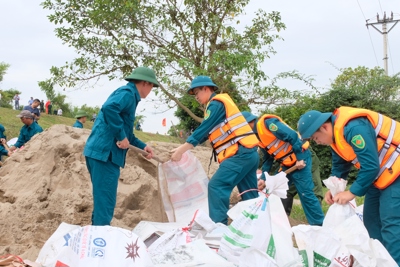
(144, 153)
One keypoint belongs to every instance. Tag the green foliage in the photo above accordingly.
(87, 109)
(179, 40)
(3, 70)
(57, 99)
(6, 95)
(359, 87)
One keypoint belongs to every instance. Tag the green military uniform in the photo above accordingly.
(316, 177)
(238, 170)
(381, 206)
(103, 157)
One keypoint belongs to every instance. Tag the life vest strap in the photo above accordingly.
(224, 135)
(275, 142)
(281, 159)
(389, 163)
(285, 146)
(388, 141)
(379, 125)
(230, 142)
(225, 121)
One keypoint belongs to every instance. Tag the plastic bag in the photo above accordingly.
(94, 246)
(252, 228)
(365, 250)
(183, 187)
(337, 213)
(318, 246)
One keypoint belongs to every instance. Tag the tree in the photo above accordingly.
(179, 40)
(359, 87)
(57, 99)
(6, 95)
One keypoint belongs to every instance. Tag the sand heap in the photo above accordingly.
(47, 183)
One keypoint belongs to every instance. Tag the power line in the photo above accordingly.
(380, 5)
(369, 33)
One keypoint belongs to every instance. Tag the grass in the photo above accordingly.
(13, 125)
(298, 213)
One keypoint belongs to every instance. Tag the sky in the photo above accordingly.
(320, 38)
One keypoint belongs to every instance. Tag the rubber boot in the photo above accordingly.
(287, 204)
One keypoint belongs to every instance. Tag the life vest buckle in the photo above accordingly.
(386, 145)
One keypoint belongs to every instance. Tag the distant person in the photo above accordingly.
(2, 130)
(3, 139)
(59, 112)
(30, 101)
(138, 126)
(93, 117)
(41, 106)
(112, 133)
(81, 117)
(34, 110)
(29, 129)
(47, 106)
(16, 99)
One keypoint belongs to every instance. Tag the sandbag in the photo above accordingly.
(183, 187)
(100, 246)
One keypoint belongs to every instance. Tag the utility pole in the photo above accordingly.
(384, 32)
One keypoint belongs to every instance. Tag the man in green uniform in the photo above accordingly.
(28, 130)
(302, 178)
(111, 135)
(80, 119)
(3, 150)
(316, 177)
(369, 141)
(238, 166)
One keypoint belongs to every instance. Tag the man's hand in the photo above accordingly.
(300, 164)
(149, 150)
(343, 197)
(124, 144)
(13, 148)
(261, 184)
(176, 154)
(328, 198)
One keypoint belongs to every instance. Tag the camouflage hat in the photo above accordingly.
(25, 114)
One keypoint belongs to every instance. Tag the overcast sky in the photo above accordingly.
(319, 34)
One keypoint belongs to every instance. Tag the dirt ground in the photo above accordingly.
(47, 183)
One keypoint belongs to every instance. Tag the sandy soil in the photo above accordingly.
(47, 183)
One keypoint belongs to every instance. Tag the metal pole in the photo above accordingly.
(385, 55)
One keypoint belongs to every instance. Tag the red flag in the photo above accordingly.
(164, 122)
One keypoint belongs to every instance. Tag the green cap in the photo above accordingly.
(200, 81)
(248, 116)
(310, 122)
(143, 74)
(81, 113)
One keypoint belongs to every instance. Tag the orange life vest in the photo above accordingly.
(387, 133)
(281, 151)
(234, 129)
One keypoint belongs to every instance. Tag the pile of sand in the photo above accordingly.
(47, 183)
